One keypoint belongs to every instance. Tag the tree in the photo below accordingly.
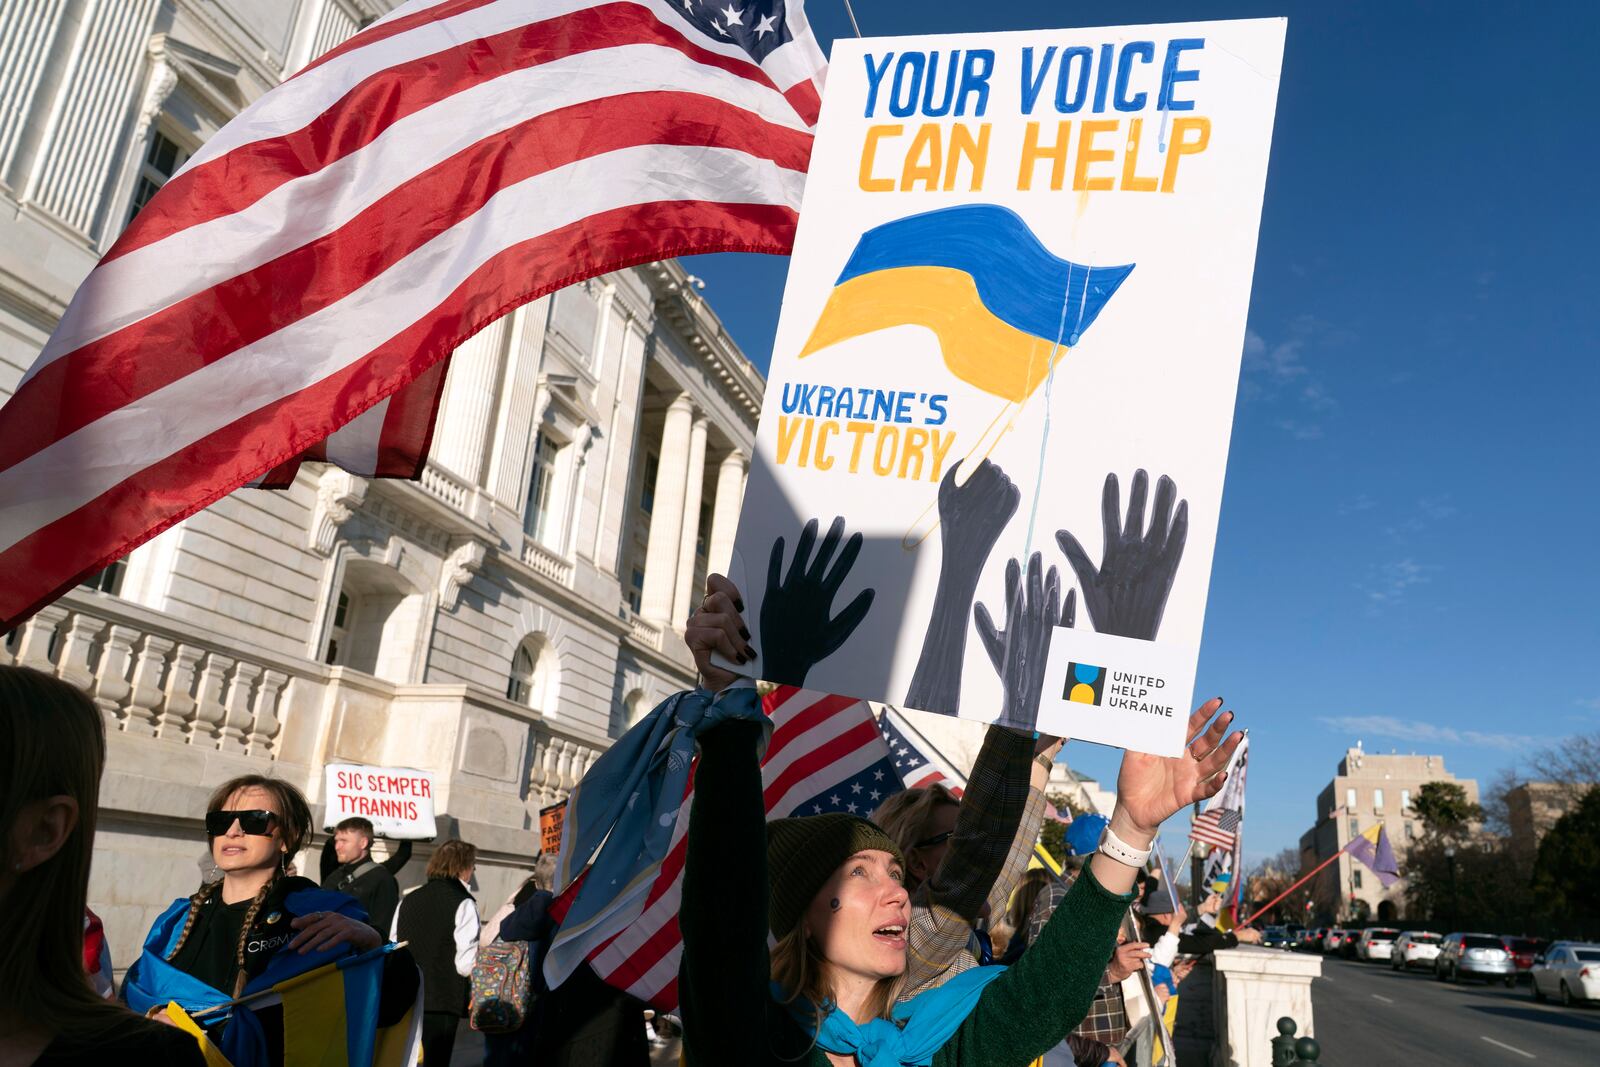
(1444, 810)
(1573, 763)
(1566, 876)
(1273, 876)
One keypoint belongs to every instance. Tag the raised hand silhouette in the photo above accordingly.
(971, 519)
(1018, 653)
(1127, 593)
(798, 629)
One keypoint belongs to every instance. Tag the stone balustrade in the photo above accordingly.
(546, 562)
(153, 676)
(646, 633)
(448, 488)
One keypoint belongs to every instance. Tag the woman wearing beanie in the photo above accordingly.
(830, 890)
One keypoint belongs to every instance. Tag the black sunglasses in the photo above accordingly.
(256, 821)
(935, 840)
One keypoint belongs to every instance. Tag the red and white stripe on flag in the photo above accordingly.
(817, 742)
(1210, 828)
(308, 271)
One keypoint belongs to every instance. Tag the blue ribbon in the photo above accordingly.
(921, 1025)
(623, 813)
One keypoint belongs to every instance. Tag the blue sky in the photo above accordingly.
(1409, 535)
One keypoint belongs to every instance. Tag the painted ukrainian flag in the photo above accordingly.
(1002, 305)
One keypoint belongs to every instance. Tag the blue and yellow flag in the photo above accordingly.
(1003, 307)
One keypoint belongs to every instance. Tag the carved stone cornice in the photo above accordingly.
(339, 493)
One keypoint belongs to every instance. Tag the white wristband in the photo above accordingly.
(1119, 850)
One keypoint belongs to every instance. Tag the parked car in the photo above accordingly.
(1524, 950)
(1412, 947)
(1474, 956)
(1313, 939)
(1275, 937)
(1376, 943)
(1334, 941)
(1569, 970)
(1295, 935)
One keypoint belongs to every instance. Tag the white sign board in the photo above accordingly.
(398, 801)
(1012, 325)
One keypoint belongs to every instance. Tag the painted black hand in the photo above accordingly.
(797, 631)
(1018, 653)
(971, 519)
(1127, 593)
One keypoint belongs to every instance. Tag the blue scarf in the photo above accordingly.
(622, 814)
(930, 1019)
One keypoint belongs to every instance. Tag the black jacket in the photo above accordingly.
(370, 881)
(427, 922)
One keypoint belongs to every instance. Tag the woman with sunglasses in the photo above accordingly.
(205, 948)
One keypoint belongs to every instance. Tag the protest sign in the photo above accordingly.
(1012, 325)
(397, 800)
(551, 820)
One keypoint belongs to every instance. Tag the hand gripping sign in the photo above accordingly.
(989, 467)
(398, 801)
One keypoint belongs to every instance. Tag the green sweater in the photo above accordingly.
(730, 1020)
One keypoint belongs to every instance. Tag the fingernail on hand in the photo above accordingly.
(744, 633)
(738, 605)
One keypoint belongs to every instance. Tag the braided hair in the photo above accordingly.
(204, 893)
(244, 931)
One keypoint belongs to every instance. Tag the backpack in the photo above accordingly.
(502, 987)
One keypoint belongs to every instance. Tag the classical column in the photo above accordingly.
(725, 511)
(470, 400)
(666, 516)
(695, 488)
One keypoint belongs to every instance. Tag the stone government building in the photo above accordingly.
(497, 624)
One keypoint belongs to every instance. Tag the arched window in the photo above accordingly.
(376, 621)
(535, 672)
(521, 683)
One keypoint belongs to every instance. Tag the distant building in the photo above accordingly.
(1368, 788)
(1080, 789)
(1534, 807)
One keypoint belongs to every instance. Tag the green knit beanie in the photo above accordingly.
(803, 853)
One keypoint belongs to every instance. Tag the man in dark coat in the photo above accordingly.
(348, 867)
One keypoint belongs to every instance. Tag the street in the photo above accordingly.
(1370, 1016)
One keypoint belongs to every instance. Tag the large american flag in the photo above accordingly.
(825, 755)
(309, 269)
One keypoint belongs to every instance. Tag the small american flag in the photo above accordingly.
(1217, 827)
(915, 757)
(295, 290)
(825, 755)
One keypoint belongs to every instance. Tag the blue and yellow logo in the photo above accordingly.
(1086, 683)
(1002, 305)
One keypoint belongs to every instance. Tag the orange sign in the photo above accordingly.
(550, 820)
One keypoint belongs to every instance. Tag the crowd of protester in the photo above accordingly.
(921, 938)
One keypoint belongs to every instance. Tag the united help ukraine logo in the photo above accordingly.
(1086, 683)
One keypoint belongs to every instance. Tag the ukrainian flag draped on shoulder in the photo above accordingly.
(329, 999)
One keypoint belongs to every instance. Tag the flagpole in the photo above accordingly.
(852, 13)
(1297, 885)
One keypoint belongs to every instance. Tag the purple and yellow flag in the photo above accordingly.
(1372, 848)
(1004, 307)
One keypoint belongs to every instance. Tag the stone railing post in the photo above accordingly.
(205, 725)
(178, 703)
(1255, 987)
(142, 711)
(39, 637)
(111, 685)
(264, 731)
(77, 646)
(235, 725)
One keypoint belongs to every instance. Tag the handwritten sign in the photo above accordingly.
(398, 801)
(551, 820)
(1012, 330)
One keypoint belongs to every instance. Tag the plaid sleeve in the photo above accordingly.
(1044, 905)
(981, 854)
